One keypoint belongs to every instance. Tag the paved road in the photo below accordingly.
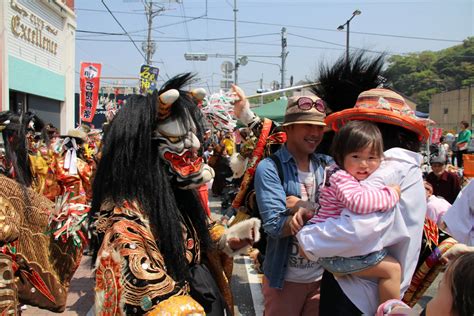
(245, 286)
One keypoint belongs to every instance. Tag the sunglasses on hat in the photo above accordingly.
(305, 104)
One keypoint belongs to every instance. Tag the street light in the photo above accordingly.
(341, 27)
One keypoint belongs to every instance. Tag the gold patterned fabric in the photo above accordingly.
(131, 275)
(8, 293)
(79, 184)
(178, 306)
(44, 266)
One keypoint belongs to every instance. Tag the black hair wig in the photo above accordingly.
(16, 150)
(340, 84)
(34, 124)
(131, 170)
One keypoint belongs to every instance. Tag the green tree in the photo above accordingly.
(420, 75)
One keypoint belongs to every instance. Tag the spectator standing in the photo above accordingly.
(445, 184)
(443, 149)
(220, 163)
(462, 142)
(399, 231)
(291, 283)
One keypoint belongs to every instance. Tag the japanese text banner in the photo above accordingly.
(148, 77)
(89, 83)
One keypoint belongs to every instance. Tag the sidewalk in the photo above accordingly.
(80, 297)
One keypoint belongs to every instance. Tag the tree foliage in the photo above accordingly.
(420, 75)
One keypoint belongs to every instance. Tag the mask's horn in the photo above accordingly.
(165, 102)
(199, 93)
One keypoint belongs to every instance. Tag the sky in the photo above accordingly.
(200, 26)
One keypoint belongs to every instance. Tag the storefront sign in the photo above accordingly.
(148, 77)
(89, 82)
(32, 29)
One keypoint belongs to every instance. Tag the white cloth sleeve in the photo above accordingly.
(459, 219)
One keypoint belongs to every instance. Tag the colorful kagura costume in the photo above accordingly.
(39, 267)
(136, 273)
(269, 139)
(37, 261)
(69, 173)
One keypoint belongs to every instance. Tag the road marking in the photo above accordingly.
(255, 286)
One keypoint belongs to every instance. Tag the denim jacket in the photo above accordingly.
(271, 200)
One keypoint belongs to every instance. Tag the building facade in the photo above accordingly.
(37, 55)
(449, 108)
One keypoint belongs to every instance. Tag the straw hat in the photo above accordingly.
(382, 106)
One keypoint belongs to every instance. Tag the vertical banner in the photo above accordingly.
(148, 77)
(436, 133)
(89, 83)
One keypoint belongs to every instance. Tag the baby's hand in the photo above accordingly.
(397, 189)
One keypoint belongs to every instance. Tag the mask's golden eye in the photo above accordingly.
(174, 139)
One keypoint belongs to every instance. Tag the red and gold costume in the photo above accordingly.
(158, 253)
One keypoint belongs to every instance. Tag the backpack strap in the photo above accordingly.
(277, 162)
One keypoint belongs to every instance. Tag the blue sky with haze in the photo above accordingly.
(311, 26)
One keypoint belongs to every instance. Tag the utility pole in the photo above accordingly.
(236, 61)
(284, 53)
(149, 46)
(261, 89)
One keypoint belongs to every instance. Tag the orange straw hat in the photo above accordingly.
(382, 106)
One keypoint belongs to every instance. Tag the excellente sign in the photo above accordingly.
(32, 29)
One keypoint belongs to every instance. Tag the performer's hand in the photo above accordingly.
(240, 100)
(455, 251)
(236, 243)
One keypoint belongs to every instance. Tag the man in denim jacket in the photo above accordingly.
(291, 283)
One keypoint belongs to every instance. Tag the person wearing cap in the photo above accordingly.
(399, 231)
(445, 184)
(291, 282)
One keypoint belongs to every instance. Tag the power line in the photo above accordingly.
(101, 33)
(123, 29)
(316, 40)
(336, 44)
(292, 26)
(178, 39)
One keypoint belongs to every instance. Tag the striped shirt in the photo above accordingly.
(343, 191)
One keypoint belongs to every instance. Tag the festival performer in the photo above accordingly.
(70, 170)
(158, 253)
(36, 267)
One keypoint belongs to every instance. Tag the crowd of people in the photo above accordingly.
(331, 199)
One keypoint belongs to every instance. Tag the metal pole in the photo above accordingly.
(347, 41)
(261, 89)
(281, 90)
(148, 41)
(283, 57)
(236, 62)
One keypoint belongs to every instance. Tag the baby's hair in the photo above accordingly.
(461, 279)
(355, 136)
